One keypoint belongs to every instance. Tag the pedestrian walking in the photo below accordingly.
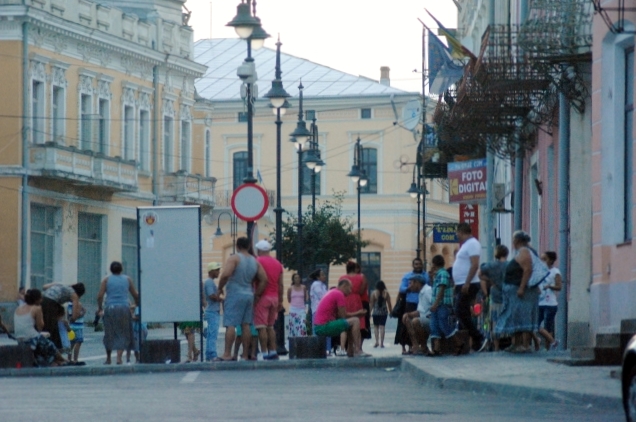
(407, 302)
(519, 314)
(380, 304)
(548, 300)
(267, 307)
(239, 272)
(491, 276)
(118, 334)
(467, 283)
(297, 297)
(212, 313)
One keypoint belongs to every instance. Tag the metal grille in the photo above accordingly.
(89, 254)
(42, 245)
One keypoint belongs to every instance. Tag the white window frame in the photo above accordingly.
(85, 90)
(59, 86)
(208, 153)
(128, 146)
(144, 150)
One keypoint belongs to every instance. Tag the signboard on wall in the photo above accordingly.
(467, 181)
(445, 233)
(469, 213)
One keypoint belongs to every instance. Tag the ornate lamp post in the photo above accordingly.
(314, 163)
(300, 135)
(248, 27)
(359, 177)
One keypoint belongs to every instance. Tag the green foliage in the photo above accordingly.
(328, 238)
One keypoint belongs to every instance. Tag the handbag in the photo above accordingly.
(540, 271)
(400, 305)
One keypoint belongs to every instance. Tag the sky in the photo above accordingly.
(353, 36)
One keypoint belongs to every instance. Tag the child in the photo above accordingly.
(548, 300)
(77, 325)
(442, 307)
(138, 328)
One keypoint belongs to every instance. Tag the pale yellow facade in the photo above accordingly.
(108, 127)
(388, 217)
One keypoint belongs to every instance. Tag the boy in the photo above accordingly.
(77, 325)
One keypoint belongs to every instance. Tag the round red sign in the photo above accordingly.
(249, 202)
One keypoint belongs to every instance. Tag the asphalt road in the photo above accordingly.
(264, 395)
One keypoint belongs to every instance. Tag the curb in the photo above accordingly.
(438, 379)
(203, 366)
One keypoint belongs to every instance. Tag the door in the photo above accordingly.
(89, 254)
(42, 245)
(371, 268)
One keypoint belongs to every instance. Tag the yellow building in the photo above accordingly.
(345, 108)
(96, 118)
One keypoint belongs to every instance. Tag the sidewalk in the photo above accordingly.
(528, 376)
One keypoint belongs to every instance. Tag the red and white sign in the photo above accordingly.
(249, 202)
(469, 213)
(467, 181)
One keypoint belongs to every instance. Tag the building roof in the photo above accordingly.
(224, 56)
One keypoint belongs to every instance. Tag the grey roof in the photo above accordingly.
(224, 56)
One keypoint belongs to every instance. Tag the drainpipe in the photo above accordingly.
(155, 137)
(24, 227)
(564, 185)
(489, 239)
(519, 153)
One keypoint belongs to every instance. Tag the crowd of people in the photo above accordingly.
(497, 302)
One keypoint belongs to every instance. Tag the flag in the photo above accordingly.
(458, 51)
(442, 70)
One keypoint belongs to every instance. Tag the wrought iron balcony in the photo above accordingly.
(189, 189)
(53, 161)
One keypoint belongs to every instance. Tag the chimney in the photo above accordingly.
(385, 79)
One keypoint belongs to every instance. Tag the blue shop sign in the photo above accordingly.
(445, 233)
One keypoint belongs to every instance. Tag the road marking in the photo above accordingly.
(190, 377)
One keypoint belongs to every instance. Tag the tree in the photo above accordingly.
(329, 238)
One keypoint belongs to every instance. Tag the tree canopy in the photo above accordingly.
(327, 238)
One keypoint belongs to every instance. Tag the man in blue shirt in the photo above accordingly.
(411, 300)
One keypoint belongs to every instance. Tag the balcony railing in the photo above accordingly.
(83, 167)
(187, 188)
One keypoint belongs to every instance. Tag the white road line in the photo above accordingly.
(190, 377)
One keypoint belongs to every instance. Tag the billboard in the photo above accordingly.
(467, 181)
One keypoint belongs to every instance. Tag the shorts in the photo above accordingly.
(547, 315)
(379, 319)
(332, 328)
(79, 336)
(237, 310)
(239, 331)
(266, 311)
(440, 322)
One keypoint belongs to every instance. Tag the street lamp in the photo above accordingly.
(233, 228)
(359, 177)
(314, 163)
(278, 100)
(418, 190)
(249, 28)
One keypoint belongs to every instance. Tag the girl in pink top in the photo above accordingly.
(297, 297)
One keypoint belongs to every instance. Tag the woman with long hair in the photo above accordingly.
(380, 304)
(297, 297)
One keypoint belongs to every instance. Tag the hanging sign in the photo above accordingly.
(467, 181)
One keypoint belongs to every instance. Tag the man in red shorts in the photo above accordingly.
(267, 306)
(332, 318)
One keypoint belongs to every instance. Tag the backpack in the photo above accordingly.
(540, 271)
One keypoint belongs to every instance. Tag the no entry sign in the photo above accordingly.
(249, 202)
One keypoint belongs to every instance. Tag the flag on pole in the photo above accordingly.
(458, 51)
(442, 70)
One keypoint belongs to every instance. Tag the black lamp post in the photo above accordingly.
(359, 177)
(278, 99)
(249, 28)
(314, 163)
(300, 135)
(233, 228)
(418, 190)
